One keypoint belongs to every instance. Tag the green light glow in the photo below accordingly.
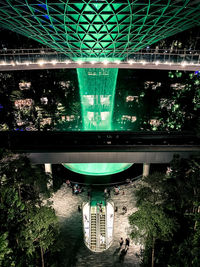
(97, 93)
(106, 29)
(97, 169)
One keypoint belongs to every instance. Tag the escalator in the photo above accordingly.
(93, 228)
(98, 219)
(102, 229)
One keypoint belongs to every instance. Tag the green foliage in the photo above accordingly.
(30, 180)
(151, 190)
(168, 216)
(150, 221)
(26, 224)
(39, 230)
(5, 251)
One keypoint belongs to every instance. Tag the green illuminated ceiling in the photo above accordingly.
(98, 28)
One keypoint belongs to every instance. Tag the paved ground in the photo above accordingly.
(75, 253)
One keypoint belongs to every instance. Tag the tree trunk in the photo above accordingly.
(153, 252)
(19, 192)
(196, 221)
(42, 256)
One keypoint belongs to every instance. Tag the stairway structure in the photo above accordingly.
(98, 225)
(93, 228)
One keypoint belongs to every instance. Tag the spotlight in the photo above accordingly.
(105, 62)
(130, 62)
(53, 62)
(117, 62)
(80, 62)
(27, 63)
(157, 62)
(183, 64)
(143, 62)
(93, 62)
(41, 62)
(67, 61)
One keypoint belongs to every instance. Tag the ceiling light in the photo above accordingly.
(53, 62)
(41, 62)
(183, 64)
(105, 62)
(117, 61)
(80, 62)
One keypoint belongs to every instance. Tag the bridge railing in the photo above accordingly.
(47, 55)
(123, 182)
(164, 56)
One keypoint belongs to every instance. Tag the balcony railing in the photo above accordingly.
(24, 58)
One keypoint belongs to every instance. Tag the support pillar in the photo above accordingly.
(146, 168)
(48, 171)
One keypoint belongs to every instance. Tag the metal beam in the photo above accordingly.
(108, 157)
(74, 65)
(101, 147)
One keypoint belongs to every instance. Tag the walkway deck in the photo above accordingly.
(30, 59)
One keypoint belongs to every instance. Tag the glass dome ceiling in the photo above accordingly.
(98, 28)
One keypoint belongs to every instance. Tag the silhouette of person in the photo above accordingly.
(121, 242)
(127, 243)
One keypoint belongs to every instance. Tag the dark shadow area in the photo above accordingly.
(122, 255)
(116, 252)
(72, 240)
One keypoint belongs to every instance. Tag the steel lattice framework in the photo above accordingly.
(98, 28)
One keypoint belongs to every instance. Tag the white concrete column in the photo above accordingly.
(146, 168)
(48, 170)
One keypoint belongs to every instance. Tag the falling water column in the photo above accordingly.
(97, 93)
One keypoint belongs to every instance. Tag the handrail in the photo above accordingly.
(112, 204)
(12, 59)
(44, 51)
(109, 184)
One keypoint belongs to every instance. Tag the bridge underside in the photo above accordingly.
(109, 157)
(101, 147)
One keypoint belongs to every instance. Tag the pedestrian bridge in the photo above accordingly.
(30, 59)
(101, 147)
